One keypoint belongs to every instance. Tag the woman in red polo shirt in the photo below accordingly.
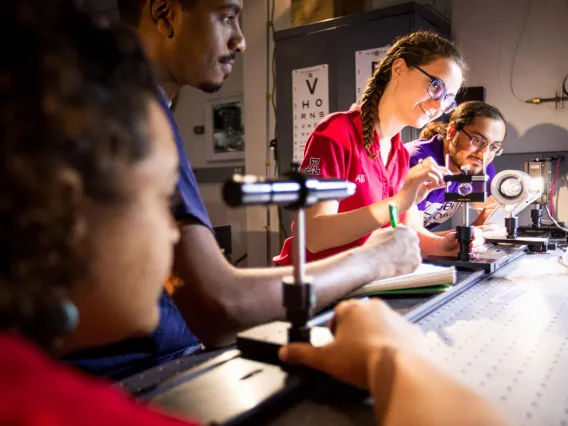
(414, 84)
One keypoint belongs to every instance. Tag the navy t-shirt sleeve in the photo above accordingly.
(123, 359)
(186, 203)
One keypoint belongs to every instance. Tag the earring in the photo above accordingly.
(52, 324)
(58, 319)
(66, 317)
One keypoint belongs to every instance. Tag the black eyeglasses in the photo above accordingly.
(480, 143)
(437, 90)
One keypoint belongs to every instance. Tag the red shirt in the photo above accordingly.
(335, 150)
(36, 391)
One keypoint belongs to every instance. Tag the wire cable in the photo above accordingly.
(273, 94)
(552, 189)
(517, 51)
(240, 259)
(553, 220)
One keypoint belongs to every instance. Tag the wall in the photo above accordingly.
(517, 48)
(254, 81)
(190, 112)
(443, 6)
(489, 32)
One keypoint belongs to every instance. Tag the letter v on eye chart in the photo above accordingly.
(310, 103)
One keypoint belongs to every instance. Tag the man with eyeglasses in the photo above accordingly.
(472, 138)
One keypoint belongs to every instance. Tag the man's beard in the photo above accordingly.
(453, 151)
(210, 87)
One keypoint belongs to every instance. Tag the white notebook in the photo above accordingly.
(425, 276)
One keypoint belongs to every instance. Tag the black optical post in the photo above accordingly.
(295, 191)
(466, 194)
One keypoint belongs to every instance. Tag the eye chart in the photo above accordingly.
(310, 103)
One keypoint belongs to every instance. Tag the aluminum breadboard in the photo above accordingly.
(507, 337)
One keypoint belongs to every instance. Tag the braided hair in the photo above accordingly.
(418, 48)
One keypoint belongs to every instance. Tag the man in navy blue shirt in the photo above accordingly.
(194, 42)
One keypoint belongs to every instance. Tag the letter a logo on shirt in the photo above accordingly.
(313, 168)
(361, 178)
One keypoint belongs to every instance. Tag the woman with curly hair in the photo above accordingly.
(415, 83)
(88, 161)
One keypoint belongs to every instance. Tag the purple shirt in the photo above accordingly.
(436, 210)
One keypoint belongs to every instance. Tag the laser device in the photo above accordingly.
(541, 170)
(513, 190)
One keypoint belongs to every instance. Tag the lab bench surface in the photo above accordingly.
(144, 383)
(505, 335)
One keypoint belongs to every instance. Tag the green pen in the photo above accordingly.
(393, 213)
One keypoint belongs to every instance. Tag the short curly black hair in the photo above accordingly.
(130, 11)
(73, 110)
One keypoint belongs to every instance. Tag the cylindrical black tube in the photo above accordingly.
(464, 235)
(536, 216)
(512, 225)
(295, 191)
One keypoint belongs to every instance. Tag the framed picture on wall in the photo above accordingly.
(224, 128)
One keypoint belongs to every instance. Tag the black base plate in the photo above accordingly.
(263, 342)
(490, 261)
(534, 244)
(251, 387)
(545, 230)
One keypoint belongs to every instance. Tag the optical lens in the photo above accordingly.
(436, 90)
